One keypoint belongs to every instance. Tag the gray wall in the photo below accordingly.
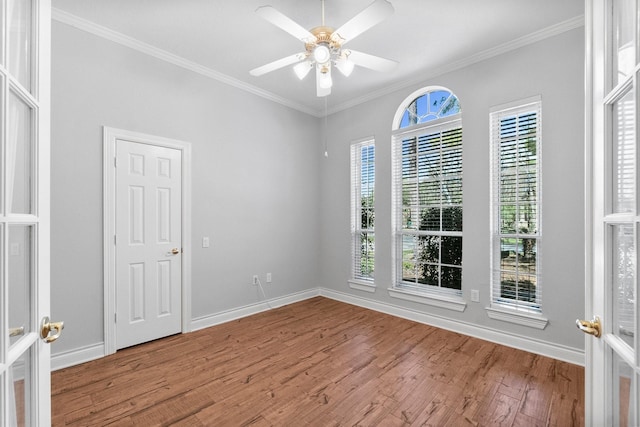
(254, 163)
(258, 168)
(553, 69)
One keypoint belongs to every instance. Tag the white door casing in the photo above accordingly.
(25, 33)
(147, 211)
(612, 362)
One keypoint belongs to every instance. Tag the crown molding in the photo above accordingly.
(518, 43)
(132, 43)
(135, 44)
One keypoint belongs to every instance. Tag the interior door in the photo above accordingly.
(24, 213)
(612, 361)
(148, 242)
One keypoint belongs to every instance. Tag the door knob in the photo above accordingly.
(591, 327)
(175, 251)
(46, 327)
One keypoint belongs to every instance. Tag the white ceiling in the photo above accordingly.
(426, 37)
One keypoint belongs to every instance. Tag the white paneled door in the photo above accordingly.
(612, 347)
(148, 242)
(25, 28)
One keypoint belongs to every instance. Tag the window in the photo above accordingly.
(515, 219)
(427, 194)
(363, 211)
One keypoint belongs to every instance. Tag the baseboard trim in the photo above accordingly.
(543, 348)
(248, 310)
(77, 356)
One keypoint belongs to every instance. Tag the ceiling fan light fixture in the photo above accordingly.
(324, 77)
(321, 54)
(302, 69)
(345, 66)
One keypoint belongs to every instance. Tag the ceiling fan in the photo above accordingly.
(324, 45)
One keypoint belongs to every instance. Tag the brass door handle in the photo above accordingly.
(592, 327)
(175, 251)
(16, 332)
(46, 327)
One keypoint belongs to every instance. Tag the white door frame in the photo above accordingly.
(110, 136)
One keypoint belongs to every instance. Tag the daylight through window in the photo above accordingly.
(515, 135)
(427, 150)
(363, 210)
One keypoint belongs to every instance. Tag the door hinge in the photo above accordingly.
(115, 317)
(115, 239)
(115, 162)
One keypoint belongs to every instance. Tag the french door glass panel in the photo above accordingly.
(20, 391)
(623, 141)
(624, 390)
(20, 281)
(624, 52)
(19, 155)
(20, 35)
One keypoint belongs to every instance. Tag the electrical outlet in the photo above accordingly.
(255, 279)
(475, 295)
(268, 277)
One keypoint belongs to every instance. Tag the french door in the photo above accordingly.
(25, 27)
(613, 209)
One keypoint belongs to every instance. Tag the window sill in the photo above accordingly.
(362, 285)
(519, 318)
(429, 298)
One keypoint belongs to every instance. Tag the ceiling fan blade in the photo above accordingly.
(283, 62)
(375, 13)
(370, 61)
(285, 23)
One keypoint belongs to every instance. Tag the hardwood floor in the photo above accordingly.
(323, 363)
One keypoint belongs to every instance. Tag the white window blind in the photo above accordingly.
(515, 214)
(427, 207)
(363, 210)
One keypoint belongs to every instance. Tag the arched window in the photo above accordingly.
(427, 193)
(432, 105)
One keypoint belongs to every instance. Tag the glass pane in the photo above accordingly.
(451, 250)
(430, 219)
(623, 155)
(623, 393)
(508, 250)
(20, 391)
(452, 191)
(429, 249)
(527, 253)
(507, 219)
(20, 281)
(623, 280)
(367, 255)
(451, 277)
(20, 40)
(408, 259)
(408, 248)
(429, 275)
(452, 218)
(19, 156)
(623, 50)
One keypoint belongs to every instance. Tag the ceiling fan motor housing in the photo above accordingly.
(323, 38)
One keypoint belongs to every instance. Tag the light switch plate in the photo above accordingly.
(205, 242)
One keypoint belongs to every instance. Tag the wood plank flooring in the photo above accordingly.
(320, 362)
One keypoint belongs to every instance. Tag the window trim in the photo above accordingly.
(514, 311)
(355, 281)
